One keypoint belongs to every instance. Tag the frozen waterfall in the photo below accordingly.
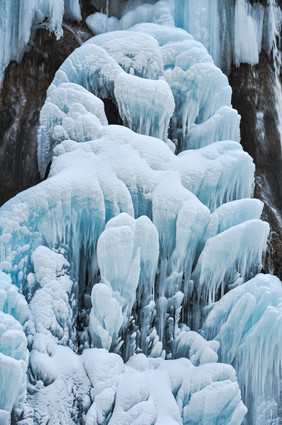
(129, 285)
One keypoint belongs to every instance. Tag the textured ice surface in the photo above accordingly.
(134, 52)
(13, 348)
(70, 112)
(247, 323)
(232, 32)
(201, 91)
(147, 391)
(226, 247)
(232, 213)
(238, 29)
(11, 302)
(193, 346)
(127, 254)
(91, 67)
(13, 365)
(223, 124)
(119, 172)
(145, 106)
(58, 384)
(213, 173)
(105, 318)
(110, 66)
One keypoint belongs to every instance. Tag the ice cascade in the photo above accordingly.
(135, 253)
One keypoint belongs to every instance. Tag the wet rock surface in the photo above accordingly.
(254, 98)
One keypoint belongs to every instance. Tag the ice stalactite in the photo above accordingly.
(20, 18)
(233, 32)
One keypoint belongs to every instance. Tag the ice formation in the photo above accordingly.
(20, 18)
(247, 323)
(126, 248)
(241, 30)
(14, 354)
(232, 32)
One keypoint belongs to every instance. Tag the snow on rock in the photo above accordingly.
(247, 323)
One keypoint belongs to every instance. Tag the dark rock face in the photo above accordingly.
(21, 99)
(254, 98)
